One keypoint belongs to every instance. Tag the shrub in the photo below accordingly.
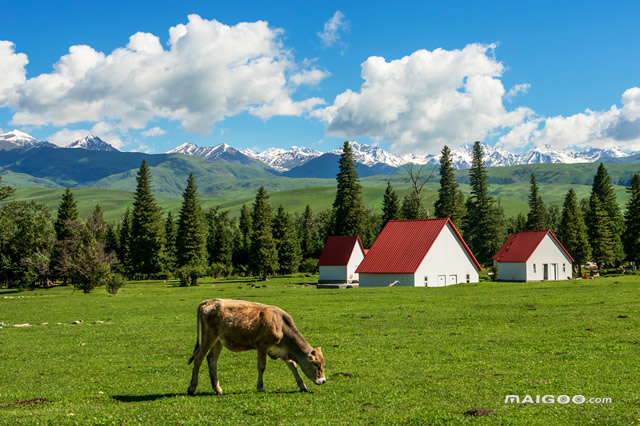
(114, 283)
(189, 275)
(309, 265)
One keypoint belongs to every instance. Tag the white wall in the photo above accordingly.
(512, 271)
(354, 261)
(548, 252)
(383, 280)
(333, 273)
(447, 258)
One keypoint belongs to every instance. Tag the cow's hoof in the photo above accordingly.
(261, 390)
(219, 391)
(191, 391)
(304, 390)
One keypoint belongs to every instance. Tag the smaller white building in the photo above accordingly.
(533, 256)
(340, 258)
(419, 253)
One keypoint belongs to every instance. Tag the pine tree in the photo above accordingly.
(124, 244)
(220, 237)
(602, 189)
(537, 217)
(147, 231)
(601, 236)
(390, 205)
(485, 222)
(171, 239)
(412, 207)
(97, 224)
(192, 234)
(632, 221)
(459, 215)
(350, 217)
(446, 204)
(287, 244)
(308, 231)
(516, 224)
(67, 211)
(263, 253)
(572, 231)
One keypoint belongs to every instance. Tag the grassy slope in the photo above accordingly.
(416, 355)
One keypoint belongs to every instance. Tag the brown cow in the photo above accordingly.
(241, 326)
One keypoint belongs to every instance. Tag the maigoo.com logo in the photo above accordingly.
(552, 399)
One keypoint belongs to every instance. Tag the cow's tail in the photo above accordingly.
(197, 337)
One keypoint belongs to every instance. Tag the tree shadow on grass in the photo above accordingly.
(154, 397)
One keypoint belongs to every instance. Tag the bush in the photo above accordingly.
(114, 283)
(189, 275)
(309, 266)
(218, 270)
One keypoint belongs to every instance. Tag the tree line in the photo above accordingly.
(37, 248)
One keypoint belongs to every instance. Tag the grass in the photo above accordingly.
(393, 355)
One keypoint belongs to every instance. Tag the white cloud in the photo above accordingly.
(332, 29)
(104, 131)
(612, 128)
(425, 100)
(209, 72)
(517, 89)
(13, 71)
(154, 131)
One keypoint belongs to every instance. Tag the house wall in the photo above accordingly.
(383, 280)
(512, 271)
(446, 258)
(548, 252)
(333, 273)
(357, 255)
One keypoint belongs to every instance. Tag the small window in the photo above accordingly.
(564, 268)
(426, 281)
(468, 278)
(534, 268)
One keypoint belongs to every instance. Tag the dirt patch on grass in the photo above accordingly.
(26, 402)
(479, 412)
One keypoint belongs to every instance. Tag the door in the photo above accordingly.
(545, 271)
(453, 279)
(554, 275)
(442, 280)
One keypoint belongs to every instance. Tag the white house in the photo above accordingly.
(420, 253)
(340, 258)
(533, 256)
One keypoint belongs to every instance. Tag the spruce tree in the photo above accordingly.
(67, 211)
(192, 234)
(124, 244)
(485, 223)
(572, 231)
(390, 205)
(308, 232)
(537, 216)
(412, 207)
(147, 231)
(97, 224)
(601, 236)
(602, 189)
(242, 240)
(446, 204)
(287, 244)
(219, 237)
(170, 248)
(632, 221)
(263, 255)
(350, 217)
(516, 224)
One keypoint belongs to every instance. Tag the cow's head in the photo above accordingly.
(313, 366)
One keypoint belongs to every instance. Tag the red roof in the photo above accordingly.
(337, 250)
(520, 246)
(403, 244)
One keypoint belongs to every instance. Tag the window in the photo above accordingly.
(534, 268)
(426, 281)
(564, 268)
(468, 278)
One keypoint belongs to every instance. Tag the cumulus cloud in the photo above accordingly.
(612, 128)
(13, 71)
(333, 28)
(517, 89)
(154, 131)
(210, 71)
(425, 100)
(104, 131)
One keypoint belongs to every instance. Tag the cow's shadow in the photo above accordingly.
(154, 397)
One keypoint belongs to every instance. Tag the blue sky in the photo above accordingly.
(409, 76)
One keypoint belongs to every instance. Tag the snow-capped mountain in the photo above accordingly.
(92, 143)
(22, 139)
(371, 155)
(219, 152)
(282, 160)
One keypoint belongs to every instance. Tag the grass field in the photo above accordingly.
(393, 355)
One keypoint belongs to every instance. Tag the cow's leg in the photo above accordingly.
(294, 369)
(198, 356)
(212, 360)
(262, 364)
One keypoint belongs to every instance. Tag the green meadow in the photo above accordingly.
(393, 355)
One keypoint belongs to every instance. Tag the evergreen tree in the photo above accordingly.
(67, 215)
(537, 217)
(516, 224)
(554, 216)
(447, 203)
(242, 241)
(97, 225)
(111, 244)
(572, 231)
(147, 231)
(459, 215)
(485, 222)
(600, 234)
(220, 237)
(5, 190)
(191, 237)
(308, 232)
(350, 217)
(124, 244)
(390, 205)
(602, 189)
(287, 244)
(632, 221)
(412, 206)
(171, 241)
(263, 253)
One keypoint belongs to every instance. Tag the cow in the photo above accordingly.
(241, 326)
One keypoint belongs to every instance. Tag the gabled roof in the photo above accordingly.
(403, 244)
(520, 246)
(337, 250)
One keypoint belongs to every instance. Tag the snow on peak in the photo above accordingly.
(92, 143)
(205, 152)
(282, 160)
(20, 138)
